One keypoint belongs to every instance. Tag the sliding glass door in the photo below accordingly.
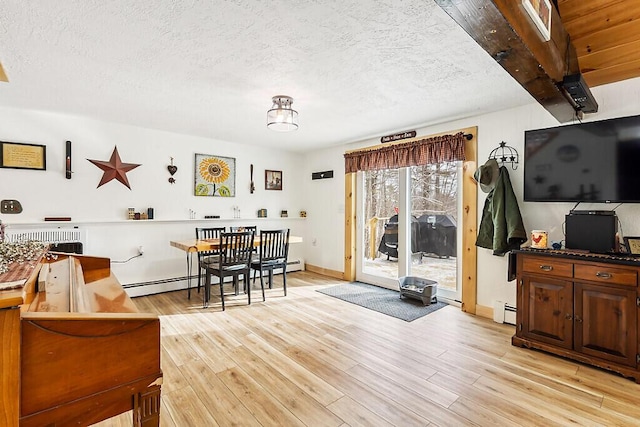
(407, 225)
(434, 205)
(378, 199)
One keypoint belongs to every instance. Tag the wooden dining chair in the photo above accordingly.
(234, 260)
(246, 228)
(273, 253)
(206, 257)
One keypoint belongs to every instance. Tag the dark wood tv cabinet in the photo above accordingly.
(584, 307)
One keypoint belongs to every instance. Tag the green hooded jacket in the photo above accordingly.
(501, 227)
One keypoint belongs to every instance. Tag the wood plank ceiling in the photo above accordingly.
(606, 37)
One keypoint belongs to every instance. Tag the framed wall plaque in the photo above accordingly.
(633, 245)
(23, 156)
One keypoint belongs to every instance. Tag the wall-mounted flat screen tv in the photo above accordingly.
(596, 162)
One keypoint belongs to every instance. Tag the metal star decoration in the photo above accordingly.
(114, 169)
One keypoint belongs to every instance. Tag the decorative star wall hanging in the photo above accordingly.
(114, 169)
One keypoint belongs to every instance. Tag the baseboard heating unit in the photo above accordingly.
(70, 240)
(504, 313)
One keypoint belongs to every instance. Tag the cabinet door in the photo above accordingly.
(605, 322)
(548, 310)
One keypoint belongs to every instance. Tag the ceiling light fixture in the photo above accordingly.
(281, 117)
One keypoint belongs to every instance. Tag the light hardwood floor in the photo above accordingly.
(308, 359)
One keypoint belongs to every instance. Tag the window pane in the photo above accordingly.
(381, 201)
(434, 190)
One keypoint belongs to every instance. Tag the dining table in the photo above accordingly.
(191, 246)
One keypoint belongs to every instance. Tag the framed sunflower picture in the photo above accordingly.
(215, 176)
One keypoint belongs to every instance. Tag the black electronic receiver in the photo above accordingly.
(588, 212)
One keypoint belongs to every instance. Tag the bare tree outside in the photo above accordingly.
(434, 189)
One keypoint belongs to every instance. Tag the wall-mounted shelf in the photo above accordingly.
(141, 221)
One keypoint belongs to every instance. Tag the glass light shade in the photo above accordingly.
(281, 117)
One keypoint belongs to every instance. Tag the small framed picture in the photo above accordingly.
(633, 245)
(23, 156)
(272, 180)
(540, 13)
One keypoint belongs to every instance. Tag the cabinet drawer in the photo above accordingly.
(547, 266)
(606, 274)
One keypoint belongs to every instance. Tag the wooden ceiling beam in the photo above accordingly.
(505, 31)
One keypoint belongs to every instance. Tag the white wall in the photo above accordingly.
(615, 100)
(48, 193)
(325, 205)
(102, 211)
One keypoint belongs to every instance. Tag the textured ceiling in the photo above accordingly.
(355, 69)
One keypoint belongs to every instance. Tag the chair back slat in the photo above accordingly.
(209, 233)
(274, 245)
(236, 248)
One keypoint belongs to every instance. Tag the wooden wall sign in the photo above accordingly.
(398, 136)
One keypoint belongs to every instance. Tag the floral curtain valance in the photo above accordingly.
(438, 149)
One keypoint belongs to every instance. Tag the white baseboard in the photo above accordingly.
(180, 283)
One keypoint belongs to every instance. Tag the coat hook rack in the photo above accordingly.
(505, 154)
